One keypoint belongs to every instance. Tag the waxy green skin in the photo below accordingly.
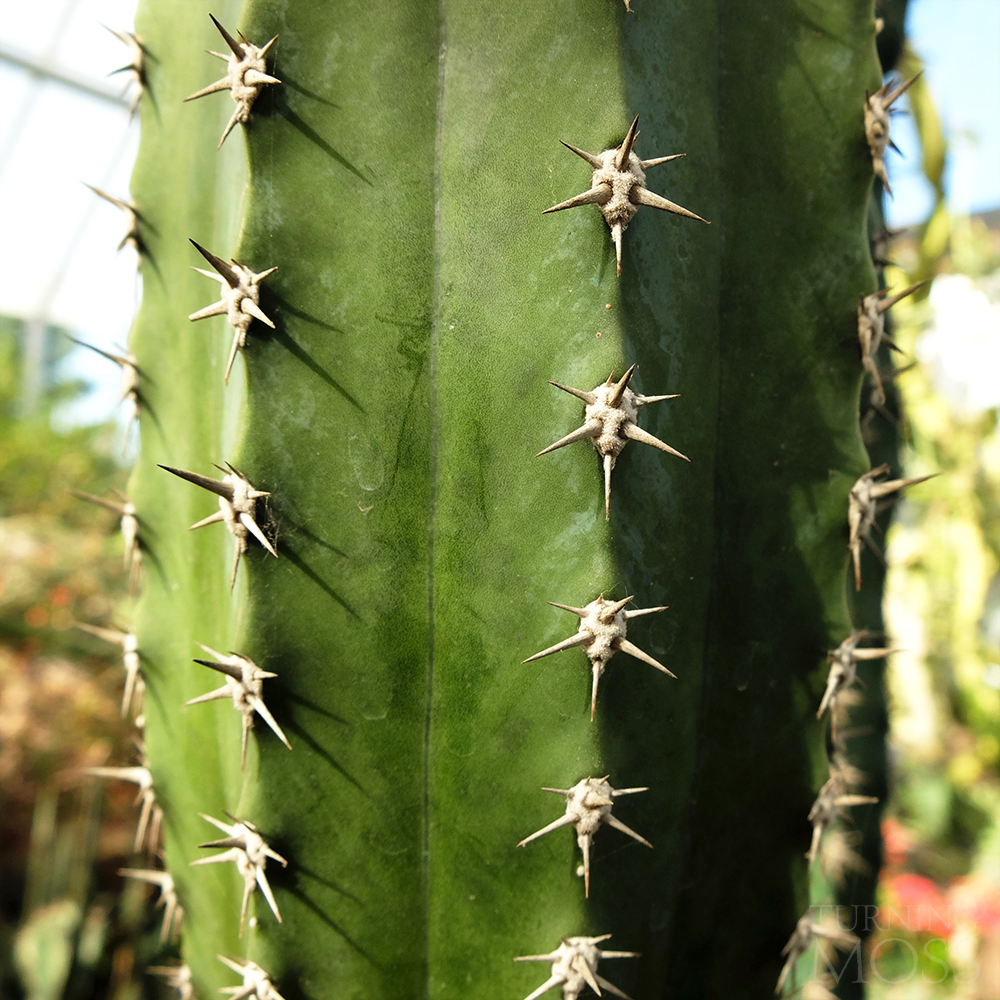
(397, 178)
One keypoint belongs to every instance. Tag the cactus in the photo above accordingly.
(385, 411)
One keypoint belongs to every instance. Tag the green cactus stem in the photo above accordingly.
(397, 176)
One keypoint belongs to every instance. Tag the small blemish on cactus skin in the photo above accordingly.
(871, 330)
(574, 965)
(602, 634)
(246, 75)
(618, 187)
(239, 302)
(173, 912)
(244, 684)
(610, 422)
(877, 108)
(247, 849)
(256, 982)
(237, 507)
(588, 806)
(863, 507)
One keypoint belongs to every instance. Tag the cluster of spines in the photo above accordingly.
(610, 422)
(868, 497)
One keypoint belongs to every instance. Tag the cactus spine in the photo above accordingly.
(397, 177)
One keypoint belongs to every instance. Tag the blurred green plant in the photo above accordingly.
(939, 922)
(63, 836)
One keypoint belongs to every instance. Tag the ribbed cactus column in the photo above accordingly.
(397, 178)
(187, 189)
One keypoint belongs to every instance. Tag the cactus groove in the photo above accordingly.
(397, 177)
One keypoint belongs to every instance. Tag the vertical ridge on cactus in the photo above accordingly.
(398, 178)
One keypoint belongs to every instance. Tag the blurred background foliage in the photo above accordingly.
(938, 933)
(67, 928)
